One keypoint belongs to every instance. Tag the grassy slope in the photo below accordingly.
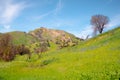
(95, 59)
(22, 38)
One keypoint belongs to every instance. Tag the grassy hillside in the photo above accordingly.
(95, 59)
(22, 38)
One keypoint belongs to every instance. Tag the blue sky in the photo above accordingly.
(70, 15)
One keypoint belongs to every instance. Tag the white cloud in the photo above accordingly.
(7, 26)
(58, 7)
(9, 10)
(55, 11)
(88, 30)
(115, 21)
(42, 16)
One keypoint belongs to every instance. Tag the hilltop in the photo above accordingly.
(54, 35)
(43, 33)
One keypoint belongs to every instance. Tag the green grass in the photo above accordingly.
(22, 38)
(95, 59)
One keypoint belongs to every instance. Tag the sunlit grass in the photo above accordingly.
(94, 59)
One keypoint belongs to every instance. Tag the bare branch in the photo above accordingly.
(99, 22)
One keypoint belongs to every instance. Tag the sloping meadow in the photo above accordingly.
(95, 59)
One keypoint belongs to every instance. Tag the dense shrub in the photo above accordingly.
(8, 53)
(21, 50)
(7, 49)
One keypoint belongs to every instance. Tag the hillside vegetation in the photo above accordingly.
(22, 38)
(59, 37)
(42, 33)
(95, 59)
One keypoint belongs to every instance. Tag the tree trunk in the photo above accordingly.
(101, 30)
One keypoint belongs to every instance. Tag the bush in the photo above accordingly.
(46, 62)
(7, 49)
(39, 47)
(8, 54)
(21, 50)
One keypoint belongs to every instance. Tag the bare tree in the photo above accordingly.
(99, 22)
(7, 49)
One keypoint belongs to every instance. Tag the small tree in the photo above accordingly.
(99, 22)
(39, 47)
(42, 47)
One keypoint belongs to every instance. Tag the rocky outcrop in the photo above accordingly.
(54, 35)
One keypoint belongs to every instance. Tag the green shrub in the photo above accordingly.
(46, 62)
